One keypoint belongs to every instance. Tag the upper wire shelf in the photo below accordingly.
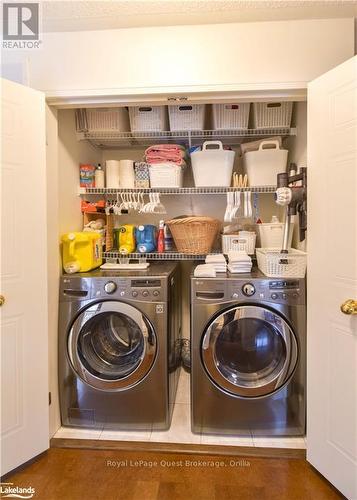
(115, 139)
(178, 191)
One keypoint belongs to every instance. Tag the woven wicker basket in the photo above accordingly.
(194, 235)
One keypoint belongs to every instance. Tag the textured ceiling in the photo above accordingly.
(91, 15)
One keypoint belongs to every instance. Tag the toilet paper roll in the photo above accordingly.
(112, 171)
(127, 174)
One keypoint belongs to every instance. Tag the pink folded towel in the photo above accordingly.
(160, 153)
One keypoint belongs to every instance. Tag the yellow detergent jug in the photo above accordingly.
(81, 251)
(127, 242)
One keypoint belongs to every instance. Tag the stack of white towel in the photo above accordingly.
(218, 261)
(239, 262)
(204, 271)
(215, 263)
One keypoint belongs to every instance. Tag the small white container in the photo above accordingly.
(112, 173)
(187, 117)
(231, 116)
(242, 242)
(275, 264)
(212, 167)
(272, 114)
(263, 165)
(271, 234)
(163, 175)
(148, 118)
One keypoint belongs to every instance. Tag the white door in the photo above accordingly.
(23, 274)
(332, 277)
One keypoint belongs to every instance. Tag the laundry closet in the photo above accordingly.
(98, 146)
(319, 81)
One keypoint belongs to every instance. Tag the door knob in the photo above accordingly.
(2, 300)
(349, 307)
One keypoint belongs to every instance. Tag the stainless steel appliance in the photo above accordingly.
(248, 355)
(119, 347)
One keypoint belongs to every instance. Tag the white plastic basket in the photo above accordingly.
(187, 117)
(263, 165)
(148, 118)
(272, 114)
(163, 175)
(275, 264)
(103, 120)
(212, 167)
(244, 241)
(231, 116)
(271, 234)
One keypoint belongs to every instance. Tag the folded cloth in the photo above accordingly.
(204, 271)
(238, 269)
(216, 258)
(234, 256)
(160, 153)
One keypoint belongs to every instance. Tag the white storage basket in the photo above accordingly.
(212, 167)
(275, 264)
(148, 118)
(187, 117)
(242, 242)
(272, 114)
(264, 165)
(102, 120)
(231, 116)
(272, 234)
(163, 176)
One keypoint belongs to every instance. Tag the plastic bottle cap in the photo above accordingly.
(71, 236)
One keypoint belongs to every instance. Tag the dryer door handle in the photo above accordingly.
(210, 295)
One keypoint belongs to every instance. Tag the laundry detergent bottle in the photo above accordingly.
(146, 238)
(81, 251)
(127, 239)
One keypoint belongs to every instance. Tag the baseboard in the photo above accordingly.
(200, 449)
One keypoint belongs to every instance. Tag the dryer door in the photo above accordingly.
(249, 351)
(111, 345)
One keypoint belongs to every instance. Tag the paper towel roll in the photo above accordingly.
(127, 174)
(112, 171)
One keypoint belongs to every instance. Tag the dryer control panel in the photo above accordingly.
(286, 292)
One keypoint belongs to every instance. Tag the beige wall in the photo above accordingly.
(64, 153)
(187, 58)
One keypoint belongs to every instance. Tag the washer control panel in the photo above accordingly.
(148, 290)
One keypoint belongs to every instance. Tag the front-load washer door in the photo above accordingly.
(112, 346)
(249, 351)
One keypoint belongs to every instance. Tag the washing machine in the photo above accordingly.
(119, 348)
(248, 355)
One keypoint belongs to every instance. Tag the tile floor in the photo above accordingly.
(179, 431)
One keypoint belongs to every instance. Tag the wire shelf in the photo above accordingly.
(178, 191)
(114, 254)
(115, 140)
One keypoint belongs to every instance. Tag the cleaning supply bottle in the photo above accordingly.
(99, 176)
(169, 241)
(146, 238)
(81, 251)
(127, 243)
(161, 238)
